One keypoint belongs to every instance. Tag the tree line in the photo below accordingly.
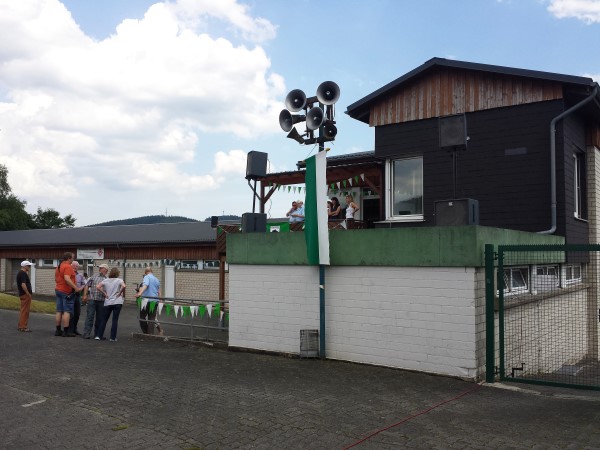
(14, 217)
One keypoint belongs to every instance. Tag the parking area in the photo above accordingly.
(144, 393)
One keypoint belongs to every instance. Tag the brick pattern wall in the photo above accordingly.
(422, 318)
(44, 280)
(199, 285)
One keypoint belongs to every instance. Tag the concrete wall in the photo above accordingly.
(412, 318)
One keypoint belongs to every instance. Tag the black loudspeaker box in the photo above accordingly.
(214, 221)
(256, 165)
(453, 132)
(461, 211)
(254, 223)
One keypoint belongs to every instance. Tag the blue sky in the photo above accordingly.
(124, 108)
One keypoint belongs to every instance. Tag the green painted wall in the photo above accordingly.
(461, 246)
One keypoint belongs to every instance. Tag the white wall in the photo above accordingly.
(413, 318)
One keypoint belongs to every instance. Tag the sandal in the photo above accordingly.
(25, 330)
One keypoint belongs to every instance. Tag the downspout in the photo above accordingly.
(553, 156)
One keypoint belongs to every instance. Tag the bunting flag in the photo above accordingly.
(338, 185)
(356, 179)
(350, 181)
(202, 310)
(160, 307)
(194, 310)
(227, 317)
(139, 302)
(217, 309)
(152, 306)
(362, 175)
(209, 310)
(176, 308)
(144, 302)
(315, 212)
(169, 309)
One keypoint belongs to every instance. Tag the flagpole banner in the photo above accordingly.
(316, 231)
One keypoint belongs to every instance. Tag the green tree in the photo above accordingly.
(14, 217)
(50, 218)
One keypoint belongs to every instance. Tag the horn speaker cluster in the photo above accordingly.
(317, 117)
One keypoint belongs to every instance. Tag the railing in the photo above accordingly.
(189, 319)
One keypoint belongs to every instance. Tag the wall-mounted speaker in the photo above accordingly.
(461, 211)
(453, 132)
(254, 223)
(256, 165)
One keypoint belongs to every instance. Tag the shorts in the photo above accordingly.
(64, 305)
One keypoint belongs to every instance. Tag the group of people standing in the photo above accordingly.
(103, 293)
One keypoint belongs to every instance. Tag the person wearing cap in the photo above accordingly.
(24, 287)
(65, 288)
(94, 299)
(80, 282)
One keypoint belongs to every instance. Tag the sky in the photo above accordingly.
(115, 109)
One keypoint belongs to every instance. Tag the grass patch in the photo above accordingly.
(13, 302)
(120, 427)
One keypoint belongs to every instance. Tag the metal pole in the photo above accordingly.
(322, 352)
(490, 356)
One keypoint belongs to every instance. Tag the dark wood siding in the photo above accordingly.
(506, 166)
(452, 91)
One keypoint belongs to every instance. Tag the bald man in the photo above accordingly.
(150, 289)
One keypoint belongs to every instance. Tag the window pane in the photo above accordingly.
(408, 187)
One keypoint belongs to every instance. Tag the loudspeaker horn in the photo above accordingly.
(314, 118)
(295, 100)
(329, 130)
(328, 92)
(287, 120)
(296, 136)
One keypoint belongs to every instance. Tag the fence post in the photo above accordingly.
(490, 357)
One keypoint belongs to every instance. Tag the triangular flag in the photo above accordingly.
(160, 307)
(169, 309)
(139, 302)
(227, 317)
(209, 310)
(221, 314)
(344, 183)
(362, 175)
(152, 306)
(177, 307)
(356, 178)
(194, 310)
(217, 308)
(202, 310)
(350, 181)
(144, 302)
(289, 189)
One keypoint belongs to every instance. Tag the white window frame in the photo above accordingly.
(512, 271)
(389, 186)
(571, 274)
(47, 262)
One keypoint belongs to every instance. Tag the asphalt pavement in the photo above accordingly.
(71, 393)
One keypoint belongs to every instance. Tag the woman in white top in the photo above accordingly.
(113, 289)
(351, 207)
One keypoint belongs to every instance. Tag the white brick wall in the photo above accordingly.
(413, 318)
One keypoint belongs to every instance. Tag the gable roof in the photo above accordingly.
(360, 109)
(152, 234)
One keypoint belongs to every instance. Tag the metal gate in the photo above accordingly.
(546, 304)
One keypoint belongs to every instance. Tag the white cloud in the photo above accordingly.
(133, 110)
(587, 11)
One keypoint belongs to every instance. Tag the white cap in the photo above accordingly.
(26, 263)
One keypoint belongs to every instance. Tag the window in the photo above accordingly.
(47, 263)
(516, 279)
(579, 184)
(546, 278)
(211, 264)
(405, 189)
(572, 273)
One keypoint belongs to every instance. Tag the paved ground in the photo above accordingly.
(84, 394)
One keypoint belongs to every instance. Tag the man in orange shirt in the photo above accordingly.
(65, 298)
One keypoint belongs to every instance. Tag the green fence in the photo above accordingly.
(545, 304)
